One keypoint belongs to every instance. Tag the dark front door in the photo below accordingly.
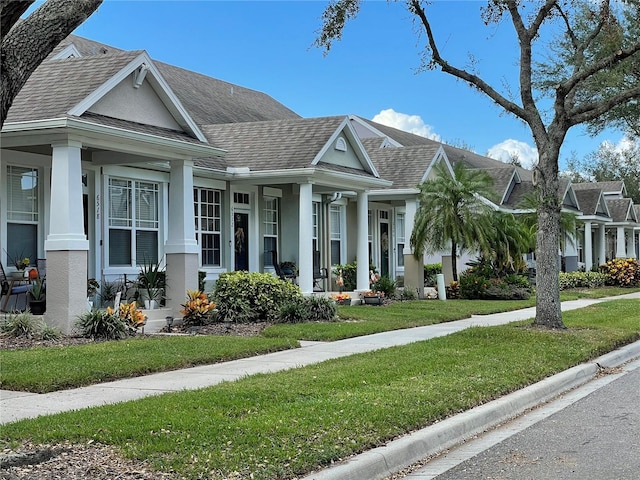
(241, 241)
(384, 249)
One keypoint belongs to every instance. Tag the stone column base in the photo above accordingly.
(66, 284)
(182, 275)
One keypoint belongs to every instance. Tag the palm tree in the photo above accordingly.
(509, 239)
(452, 213)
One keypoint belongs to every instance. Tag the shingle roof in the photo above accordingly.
(139, 127)
(501, 177)
(404, 166)
(619, 208)
(73, 79)
(272, 145)
(612, 186)
(211, 101)
(520, 190)
(207, 100)
(588, 200)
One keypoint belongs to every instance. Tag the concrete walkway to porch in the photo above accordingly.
(19, 405)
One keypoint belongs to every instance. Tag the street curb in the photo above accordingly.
(382, 462)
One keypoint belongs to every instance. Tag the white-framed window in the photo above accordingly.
(400, 240)
(270, 215)
(336, 219)
(133, 222)
(23, 212)
(208, 217)
(316, 226)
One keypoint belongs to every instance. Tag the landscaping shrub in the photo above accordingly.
(431, 271)
(622, 272)
(102, 324)
(386, 285)
(197, 310)
(406, 293)
(582, 280)
(293, 311)
(320, 309)
(475, 284)
(252, 297)
(26, 325)
(453, 290)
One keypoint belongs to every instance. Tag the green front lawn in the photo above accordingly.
(45, 369)
(286, 424)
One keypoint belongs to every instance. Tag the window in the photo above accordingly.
(400, 240)
(335, 221)
(270, 228)
(314, 234)
(241, 198)
(133, 222)
(208, 217)
(22, 212)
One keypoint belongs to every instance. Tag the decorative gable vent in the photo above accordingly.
(341, 145)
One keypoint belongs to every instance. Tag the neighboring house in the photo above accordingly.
(110, 159)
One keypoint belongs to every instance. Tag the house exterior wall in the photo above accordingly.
(141, 105)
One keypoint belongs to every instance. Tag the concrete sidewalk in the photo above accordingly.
(19, 405)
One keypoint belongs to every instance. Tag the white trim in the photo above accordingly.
(70, 51)
(440, 155)
(272, 192)
(374, 130)
(345, 128)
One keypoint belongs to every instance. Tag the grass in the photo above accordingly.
(48, 369)
(360, 320)
(286, 424)
(44, 370)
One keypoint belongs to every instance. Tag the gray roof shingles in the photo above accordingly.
(619, 209)
(273, 145)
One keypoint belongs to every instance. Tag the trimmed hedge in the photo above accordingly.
(244, 297)
(622, 272)
(582, 280)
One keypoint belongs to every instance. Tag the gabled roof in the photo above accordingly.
(614, 187)
(622, 210)
(406, 167)
(57, 86)
(278, 144)
(592, 202)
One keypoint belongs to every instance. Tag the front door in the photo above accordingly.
(384, 249)
(241, 240)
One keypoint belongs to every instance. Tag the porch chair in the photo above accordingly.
(291, 277)
(319, 274)
(9, 289)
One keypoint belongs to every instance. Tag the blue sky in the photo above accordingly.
(267, 46)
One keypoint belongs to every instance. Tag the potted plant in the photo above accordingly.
(37, 298)
(372, 297)
(92, 288)
(20, 262)
(342, 298)
(108, 291)
(151, 284)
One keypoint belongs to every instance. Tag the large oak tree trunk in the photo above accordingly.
(548, 312)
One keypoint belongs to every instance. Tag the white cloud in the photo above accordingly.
(506, 150)
(408, 123)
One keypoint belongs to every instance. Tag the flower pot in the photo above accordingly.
(372, 300)
(150, 304)
(17, 274)
(345, 301)
(37, 307)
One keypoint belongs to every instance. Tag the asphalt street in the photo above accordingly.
(596, 437)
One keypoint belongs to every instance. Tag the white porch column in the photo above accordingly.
(362, 250)
(602, 245)
(631, 248)
(621, 244)
(66, 245)
(588, 250)
(181, 247)
(305, 238)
